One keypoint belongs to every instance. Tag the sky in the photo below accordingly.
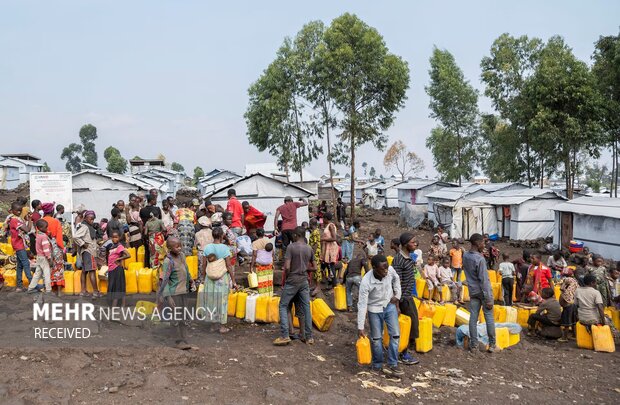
(171, 77)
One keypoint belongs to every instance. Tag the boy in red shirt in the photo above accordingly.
(18, 229)
(539, 276)
(44, 259)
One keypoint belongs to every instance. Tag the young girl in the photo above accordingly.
(445, 278)
(372, 249)
(507, 271)
(116, 253)
(431, 273)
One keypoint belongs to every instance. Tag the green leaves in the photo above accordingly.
(454, 103)
(72, 154)
(88, 135)
(177, 167)
(116, 163)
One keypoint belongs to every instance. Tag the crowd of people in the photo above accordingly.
(316, 255)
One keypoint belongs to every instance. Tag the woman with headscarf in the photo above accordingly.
(55, 231)
(230, 239)
(135, 225)
(203, 237)
(186, 218)
(85, 238)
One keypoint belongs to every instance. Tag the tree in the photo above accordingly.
(88, 135)
(116, 163)
(46, 168)
(403, 161)
(198, 173)
(365, 167)
(598, 176)
(72, 154)
(366, 83)
(498, 159)
(177, 167)
(280, 117)
(454, 102)
(606, 69)
(565, 107)
(372, 172)
(511, 62)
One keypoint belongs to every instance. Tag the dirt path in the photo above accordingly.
(135, 364)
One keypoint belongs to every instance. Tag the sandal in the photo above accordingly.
(84, 294)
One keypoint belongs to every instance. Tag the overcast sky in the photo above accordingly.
(171, 77)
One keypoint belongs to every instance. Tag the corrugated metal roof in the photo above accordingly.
(454, 193)
(419, 184)
(387, 184)
(272, 170)
(492, 187)
(118, 177)
(510, 197)
(594, 206)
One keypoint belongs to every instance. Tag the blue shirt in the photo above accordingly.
(220, 250)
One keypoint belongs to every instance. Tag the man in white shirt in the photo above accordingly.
(379, 295)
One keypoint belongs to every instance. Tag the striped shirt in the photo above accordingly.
(406, 270)
(43, 245)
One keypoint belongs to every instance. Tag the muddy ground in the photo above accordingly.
(135, 363)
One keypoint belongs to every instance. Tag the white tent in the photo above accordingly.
(462, 218)
(386, 194)
(98, 190)
(310, 181)
(523, 214)
(592, 220)
(266, 194)
(413, 200)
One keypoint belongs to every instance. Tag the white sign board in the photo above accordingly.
(53, 187)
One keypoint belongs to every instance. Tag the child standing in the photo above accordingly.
(44, 258)
(379, 294)
(456, 259)
(116, 253)
(431, 274)
(380, 241)
(568, 287)
(18, 230)
(372, 248)
(445, 278)
(507, 270)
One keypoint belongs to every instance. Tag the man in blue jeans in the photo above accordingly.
(379, 296)
(298, 260)
(480, 292)
(18, 228)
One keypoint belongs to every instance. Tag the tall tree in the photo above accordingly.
(365, 168)
(565, 108)
(280, 118)
(72, 154)
(88, 135)
(606, 68)
(366, 82)
(598, 176)
(372, 172)
(198, 173)
(116, 162)
(46, 168)
(511, 62)
(403, 161)
(177, 167)
(454, 103)
(497, 156)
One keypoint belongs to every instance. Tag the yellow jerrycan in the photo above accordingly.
(145, 281)
(603, 339)
(424, 342)
(584, 338)
(340, 298)
(240, 307)
(322, 315)
(232, 303)
(364, 354)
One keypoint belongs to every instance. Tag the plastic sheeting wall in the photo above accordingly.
(600, 234)
(412, 215)
(469, 220)
(532, 219)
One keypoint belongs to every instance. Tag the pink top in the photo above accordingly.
(431, 272)
(114, 253)
(289, 215)
(43, 245)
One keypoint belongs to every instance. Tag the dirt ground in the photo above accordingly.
(134, 363)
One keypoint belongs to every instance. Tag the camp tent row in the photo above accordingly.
(595, 221)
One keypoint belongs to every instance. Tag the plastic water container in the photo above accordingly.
(497, 291)
(575, 246)
(465, 294)
(340, 298)
(420, 286)
(404, 326)
(494, 237)
(68, 288)
(502, 336)
(492, 276)
(322, 315)
(192, 266)
(364, 354)
(603, 339)
(426, 310)
(155, 280)
(252, 280)
(462, 317)
(250, 308)
(131, 281)
(262, 308)
(584, 338)
(440, 313)
(449, 318)
(145, 281)
(77, 282)
(10, 278)
(511, 315)
(424, 342)
(499, 313)
(241, 304)
(273, 311)
(232, 303)
(145, 307)
(514, 338)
